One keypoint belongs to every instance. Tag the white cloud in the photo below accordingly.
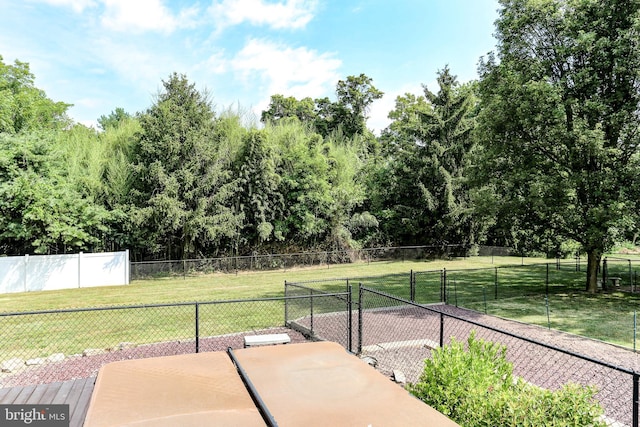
(77, 5)
(140, 65)
(285, 14)
(298, 72)
(134, 15)
(92, 103)
(216, 63)
(144, 15)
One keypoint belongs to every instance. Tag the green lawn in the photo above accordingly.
(39, 335)
(472, 282)
(221, 286)
(608, 316)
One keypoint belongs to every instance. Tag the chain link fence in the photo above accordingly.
(265, 262)
(395, 320)
(472, 288)
(49, 346)
(476, 287)
(321, 316)
(399, 335)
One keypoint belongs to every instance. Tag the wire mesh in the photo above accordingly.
(320, 315)
(400, 335)
(265, 262)
(621, 274)
(50, 346)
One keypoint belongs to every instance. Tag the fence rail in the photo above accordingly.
(57, 345)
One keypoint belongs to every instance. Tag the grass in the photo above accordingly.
(607, 316)
(221, 286)
(520, 294)
(39, 335)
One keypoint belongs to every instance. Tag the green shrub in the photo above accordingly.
(476, 387)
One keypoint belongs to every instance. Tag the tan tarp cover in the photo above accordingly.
(310, 384)
(320, 384)
(201, 389)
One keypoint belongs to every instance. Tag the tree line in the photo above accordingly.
(540, 153)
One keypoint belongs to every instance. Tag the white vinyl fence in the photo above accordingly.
(49, 272)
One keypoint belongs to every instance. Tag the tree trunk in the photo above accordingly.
(593, 261)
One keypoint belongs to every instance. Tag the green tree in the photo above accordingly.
(348, 114)
(355, 96)
(281, 107)
(261, 201)
(40, 210)
(429, 145)
(114, 118)
(99, 166)
(23, 107)
(559, 117)
(183, 185)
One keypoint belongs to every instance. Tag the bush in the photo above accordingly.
(476, 387)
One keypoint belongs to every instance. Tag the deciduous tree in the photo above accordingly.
(560, 116)
(24, 107)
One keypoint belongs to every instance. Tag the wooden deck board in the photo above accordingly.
(3, 393)
(75, 393)
(79, 412)
(10, 397)
(63, 392)
(37, 394)
(25, 393)
(50, 392)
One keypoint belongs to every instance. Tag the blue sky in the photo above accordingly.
(104, 54)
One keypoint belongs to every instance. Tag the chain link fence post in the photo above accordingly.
(444, 285)
(360, 305)
(412, 286)
(636, 400)
(197, 327)
(547, 281)
(441, 329)
(349, 319)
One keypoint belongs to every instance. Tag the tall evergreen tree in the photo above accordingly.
(429, 144)
(183, 186)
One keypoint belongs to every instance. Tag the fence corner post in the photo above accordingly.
(127, 267)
